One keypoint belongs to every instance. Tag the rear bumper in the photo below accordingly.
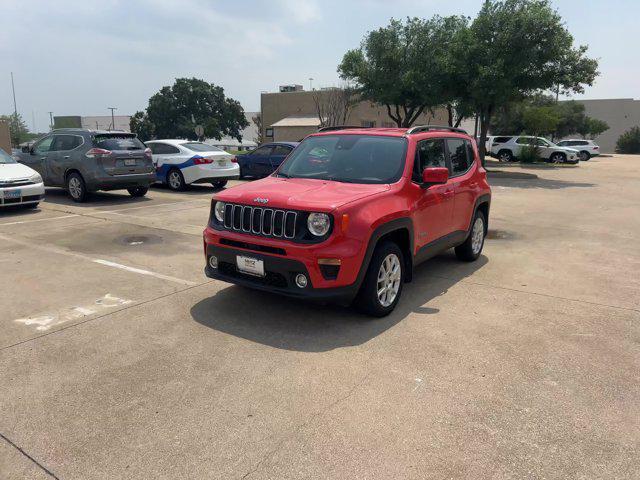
(120, 182)
(208, 173)
(279, 276)
(28, 194)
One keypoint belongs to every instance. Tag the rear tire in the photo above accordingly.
(381, 288)
(584, 156)
(219, 184)
(137, 192)
(471, 249)
(175, 180)
(76, 187)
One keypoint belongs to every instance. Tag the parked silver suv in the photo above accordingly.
(84, 161)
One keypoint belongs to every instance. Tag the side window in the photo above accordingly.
(262, 151)
(164, 149)
(458, 153)
(541, 142)
(429, 153)
(63, 143)
(44, 145)
(524, 141)
(281, 150)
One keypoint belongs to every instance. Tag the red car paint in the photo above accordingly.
(359, 212)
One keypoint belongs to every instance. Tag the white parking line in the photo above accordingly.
(119, 211)
(100, 261)
(143, 272)
(37, 220)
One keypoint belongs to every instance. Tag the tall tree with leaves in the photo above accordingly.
(402, 66)
(515, 48)
(175, 111)
(17, 128)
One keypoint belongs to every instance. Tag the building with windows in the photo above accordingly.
(292, 114)
(100, 122)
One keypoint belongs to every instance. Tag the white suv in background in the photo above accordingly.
(509, 150)
(182, 162)
(587, 148)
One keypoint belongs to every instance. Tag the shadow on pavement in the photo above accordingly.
(60, 196)
(17, 210)
(296, 325)
(535, 182)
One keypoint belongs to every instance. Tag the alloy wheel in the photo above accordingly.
(75, 187)
(389, 278)
(477, 236)
(175, 181)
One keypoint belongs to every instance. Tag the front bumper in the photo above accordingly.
(28, 194)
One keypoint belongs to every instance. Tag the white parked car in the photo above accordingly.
(509, 150)
(19, 184)
(587, 148)
(182, 162)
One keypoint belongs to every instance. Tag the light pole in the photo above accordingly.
(113, 125)
(310, 83)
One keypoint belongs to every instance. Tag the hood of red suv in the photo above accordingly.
(299, 193)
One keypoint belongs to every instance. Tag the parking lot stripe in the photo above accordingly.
(120, 210)
(37, 220)
(99, 261)
(144, 272)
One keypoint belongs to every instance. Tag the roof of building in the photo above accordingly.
(298, 121)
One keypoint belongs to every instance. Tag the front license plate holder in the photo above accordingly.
(250, 265)
(12, 194)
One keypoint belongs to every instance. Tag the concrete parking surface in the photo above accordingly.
(119, 359)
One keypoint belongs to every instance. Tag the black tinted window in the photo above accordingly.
(262, 151)
(430, 153)
(118, 142)
(281, 150)
(458, 153)
(163, 149)
(501, 139)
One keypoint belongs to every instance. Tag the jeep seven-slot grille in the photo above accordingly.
(260, 221)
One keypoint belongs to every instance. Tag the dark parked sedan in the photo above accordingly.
(265, 159)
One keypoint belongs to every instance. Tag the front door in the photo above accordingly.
(434, 205)
(59, 159)
(260, 164)
(278, 155)
(464, 180)
(37, 157)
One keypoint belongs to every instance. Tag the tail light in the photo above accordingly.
(233, 160)
(202, 161)
(147, 153)
(97, 152)
(596, 148)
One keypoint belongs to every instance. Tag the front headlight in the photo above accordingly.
(219, 211)
(35, 178)
(319, 224)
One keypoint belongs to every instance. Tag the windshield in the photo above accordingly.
(118, 142)
(201, 147)
(5, 157)
(347, 158)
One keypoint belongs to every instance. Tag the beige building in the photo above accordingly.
(620, 113)
(292, 115)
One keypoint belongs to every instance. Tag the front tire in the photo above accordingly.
(138, 192)
(219, 184)
(505, 156)
(175, 180)
(76, 187)
(471, 249)
(558, 158)
(382, 285)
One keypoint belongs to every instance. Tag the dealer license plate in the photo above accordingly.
(249, 265)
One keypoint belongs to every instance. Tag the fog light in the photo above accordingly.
(213, 261)
(301, 280)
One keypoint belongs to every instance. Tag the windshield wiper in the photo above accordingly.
(283, 175)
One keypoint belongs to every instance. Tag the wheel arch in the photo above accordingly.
(483, 203)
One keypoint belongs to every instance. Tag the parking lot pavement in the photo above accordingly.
(119, 359)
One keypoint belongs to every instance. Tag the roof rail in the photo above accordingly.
(338, 127)
(429, 128)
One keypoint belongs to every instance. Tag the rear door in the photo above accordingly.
(164, 156)
(463, 157)
(127, 154)
(60, 158)
(259, 161)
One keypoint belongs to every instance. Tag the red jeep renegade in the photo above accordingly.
(350, 213)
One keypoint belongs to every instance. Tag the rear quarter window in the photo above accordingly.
(118, 142)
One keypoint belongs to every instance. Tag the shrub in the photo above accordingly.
(629, 141)
(529, 154)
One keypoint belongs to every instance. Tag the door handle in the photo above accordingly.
(43, 158)
(66, 157)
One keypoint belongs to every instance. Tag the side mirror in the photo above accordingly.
(434, 176)
(26, 149)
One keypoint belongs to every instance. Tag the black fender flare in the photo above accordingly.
(481, 200)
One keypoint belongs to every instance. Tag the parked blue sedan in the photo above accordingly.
(265, 159)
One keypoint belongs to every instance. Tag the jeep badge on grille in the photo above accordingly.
(261, 200)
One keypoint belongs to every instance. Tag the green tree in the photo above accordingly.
(629, 141)
(540, 121)
(402, 66)
(141, 126)
(175, 111)
(592, 127)
(17, 128)
(513, 49)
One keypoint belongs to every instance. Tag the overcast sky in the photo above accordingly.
(78, 57)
